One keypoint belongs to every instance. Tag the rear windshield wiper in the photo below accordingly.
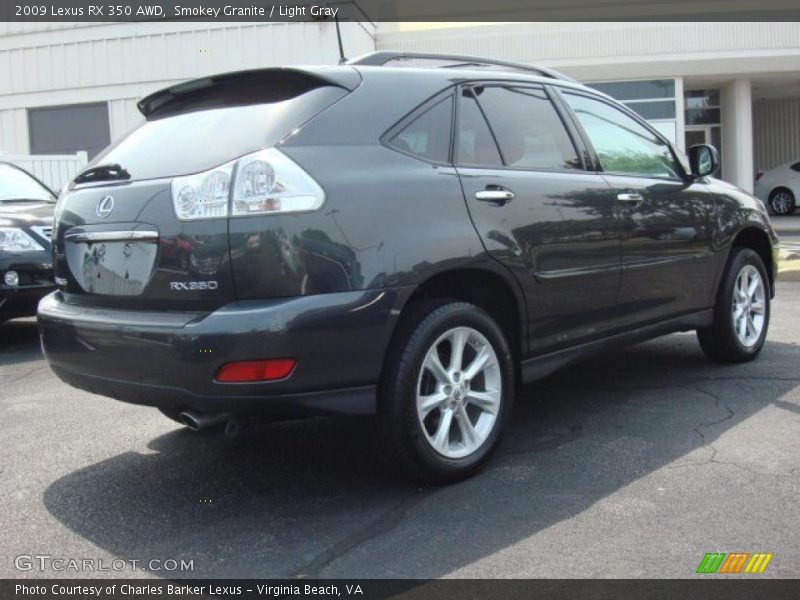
(103, 173)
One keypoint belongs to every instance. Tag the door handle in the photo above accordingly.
(496, 196)
(630, 197)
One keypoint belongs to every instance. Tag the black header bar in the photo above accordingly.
(706, 588)
(398, 10)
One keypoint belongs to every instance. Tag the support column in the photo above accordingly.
(737, 133)
(680, 118)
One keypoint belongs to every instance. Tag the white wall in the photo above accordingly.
(610, 51)
(776, 128)
(54, 170)
(121, 62)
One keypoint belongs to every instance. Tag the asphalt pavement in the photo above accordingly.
(634, 464)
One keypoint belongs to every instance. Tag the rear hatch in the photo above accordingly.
(118, 239)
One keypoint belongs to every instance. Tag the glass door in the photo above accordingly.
(697, 136)
(704, 134)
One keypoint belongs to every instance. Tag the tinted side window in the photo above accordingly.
(475, 146)
(527, 127)
(428, 136)
(622, 144)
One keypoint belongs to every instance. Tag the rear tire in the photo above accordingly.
(782, 202)
(741, 312)
(446, 392)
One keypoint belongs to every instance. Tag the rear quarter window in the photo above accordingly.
(428, 135)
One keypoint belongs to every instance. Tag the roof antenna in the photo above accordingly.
(342, 58)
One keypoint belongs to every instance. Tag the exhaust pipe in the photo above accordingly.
(198, 421)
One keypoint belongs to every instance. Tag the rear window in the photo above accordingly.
(196, 141)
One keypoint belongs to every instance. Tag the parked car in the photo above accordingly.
(403, 242)
(780, 188)
(26, 221)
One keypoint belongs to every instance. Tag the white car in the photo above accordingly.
(779, 188)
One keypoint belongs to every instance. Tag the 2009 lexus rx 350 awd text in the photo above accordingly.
(397, 241)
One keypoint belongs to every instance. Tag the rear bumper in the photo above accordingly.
(169, 359)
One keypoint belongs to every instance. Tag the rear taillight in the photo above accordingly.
(265, 182)
(256, 370)
(204, 195)
(759, 175)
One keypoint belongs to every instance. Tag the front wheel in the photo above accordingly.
(741, 312)
(447, 389)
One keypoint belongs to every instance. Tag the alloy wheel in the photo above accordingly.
(459, 392)
(782, 203)
(749, 306)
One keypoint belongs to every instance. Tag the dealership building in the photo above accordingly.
(73, 87)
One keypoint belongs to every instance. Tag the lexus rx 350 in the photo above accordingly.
(389, 239)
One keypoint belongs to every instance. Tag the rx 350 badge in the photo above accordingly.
(190, 286)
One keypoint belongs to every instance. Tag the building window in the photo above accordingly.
(702, 107)
(653, 99)
(69, 129)
(638, 90)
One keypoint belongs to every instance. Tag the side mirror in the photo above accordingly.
(703, 159)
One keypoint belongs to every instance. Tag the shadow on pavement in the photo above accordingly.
(19, 342)
(306, 498)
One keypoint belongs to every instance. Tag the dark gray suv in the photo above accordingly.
(389, 239)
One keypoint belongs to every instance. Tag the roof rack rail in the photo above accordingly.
(379, 59)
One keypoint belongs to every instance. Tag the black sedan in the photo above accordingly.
(26, 222)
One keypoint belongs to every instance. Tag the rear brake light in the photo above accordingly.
(256, 370)
(265, 182)
(759, 175)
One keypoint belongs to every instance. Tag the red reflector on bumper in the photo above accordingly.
(256, 370)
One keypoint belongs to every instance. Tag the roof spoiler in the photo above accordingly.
(244, 87)
(379, 59)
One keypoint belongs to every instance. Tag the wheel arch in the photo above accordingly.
(782, 186)
(757, 240)
(498, 294)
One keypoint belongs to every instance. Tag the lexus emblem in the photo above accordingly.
(105, 206)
